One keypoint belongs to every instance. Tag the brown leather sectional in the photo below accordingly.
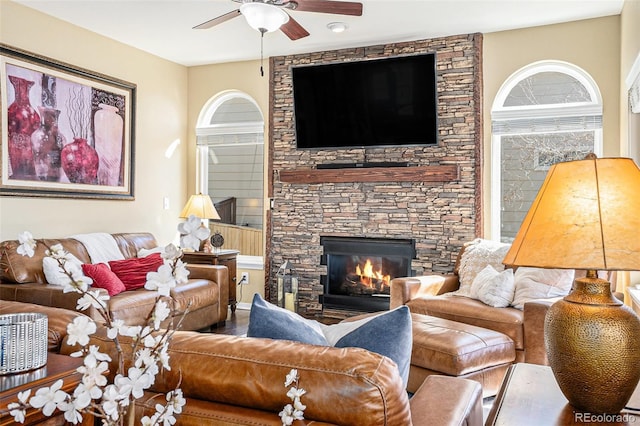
(231, 380)
(205, 294)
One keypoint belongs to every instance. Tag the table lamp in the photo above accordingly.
(193, 232)
(587, 216)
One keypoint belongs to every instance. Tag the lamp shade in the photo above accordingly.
(585, 216)
(200, 205)
(264, 17)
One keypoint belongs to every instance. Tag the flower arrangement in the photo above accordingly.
(294, 411)
(192, 233)
(111, 402)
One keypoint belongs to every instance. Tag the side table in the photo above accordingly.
(530, 395)
(58, 367)
(221, 257)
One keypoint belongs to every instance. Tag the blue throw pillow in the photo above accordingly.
(274, 322)
(388, 333)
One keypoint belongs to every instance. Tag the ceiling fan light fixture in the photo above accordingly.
(264, 17)
(337, 27)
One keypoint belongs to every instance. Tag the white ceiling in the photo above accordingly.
(164, 27)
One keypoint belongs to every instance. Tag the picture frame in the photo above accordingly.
(66, 131)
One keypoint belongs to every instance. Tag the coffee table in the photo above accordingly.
(58, 367)
(530, 395)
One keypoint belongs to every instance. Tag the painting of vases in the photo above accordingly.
(66, 135)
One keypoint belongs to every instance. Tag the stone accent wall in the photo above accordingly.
(439, 216)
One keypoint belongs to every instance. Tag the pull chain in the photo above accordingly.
(262, 51)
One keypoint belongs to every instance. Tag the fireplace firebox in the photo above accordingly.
(359, 271)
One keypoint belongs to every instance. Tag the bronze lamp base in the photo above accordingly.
(593, 345)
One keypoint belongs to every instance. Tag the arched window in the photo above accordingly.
(546, 112)
(230, 139)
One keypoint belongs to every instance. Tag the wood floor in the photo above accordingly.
(236, 323)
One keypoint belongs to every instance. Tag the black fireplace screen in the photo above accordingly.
(359, 270)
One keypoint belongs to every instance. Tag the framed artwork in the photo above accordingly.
(66, 131)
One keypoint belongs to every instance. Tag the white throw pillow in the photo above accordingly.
(476, 256)
(538, 283)
(494, 288)
(55, 275)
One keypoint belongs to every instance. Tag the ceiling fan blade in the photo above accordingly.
(219, 20)
(329, 6)
(293, 29)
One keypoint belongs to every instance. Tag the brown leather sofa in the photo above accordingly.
(230, 380)
(205, 294)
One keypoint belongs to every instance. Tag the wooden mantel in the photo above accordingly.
(444, 173)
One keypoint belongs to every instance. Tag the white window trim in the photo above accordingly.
(546, 66)
(205, 128)
(500, 112)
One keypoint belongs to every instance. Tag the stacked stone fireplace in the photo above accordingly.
(434, 202)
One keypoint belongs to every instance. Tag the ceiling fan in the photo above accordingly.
(270, 15)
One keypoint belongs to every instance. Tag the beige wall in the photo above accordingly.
(209, 81)
(161, 117)
(629, 54)
(593, 45)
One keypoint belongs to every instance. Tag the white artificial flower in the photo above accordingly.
(94, 298)
(94, 355)
(295, 393)
(286, 415)
(162, 280)
(27, 245)
(160, 313)
(134, 383)
(56, 251)
(190, 242)
(17, 410)
(176, 401)
(298, 405)
(79, 330)
(93, 378)
(144, 357)
(81, 400)
(291, 377)
(171, 252)
(163, 356)
(181, 272)
(150, 341)
(110, 404)
(24, 396)
(192, 232)
(48, 398)
(119, 327)
(79, 283)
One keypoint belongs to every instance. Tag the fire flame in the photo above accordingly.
(367, 274)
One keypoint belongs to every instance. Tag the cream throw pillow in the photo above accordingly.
(538, 283)
(494, 288)
(54, 274)
(476, 256)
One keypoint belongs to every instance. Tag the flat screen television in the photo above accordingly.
(366, 103)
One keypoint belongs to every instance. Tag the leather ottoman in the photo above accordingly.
(452, 348)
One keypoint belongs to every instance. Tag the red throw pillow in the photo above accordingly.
(103, 278)
(133, 271)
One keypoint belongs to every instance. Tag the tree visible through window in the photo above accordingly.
(546, 113)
